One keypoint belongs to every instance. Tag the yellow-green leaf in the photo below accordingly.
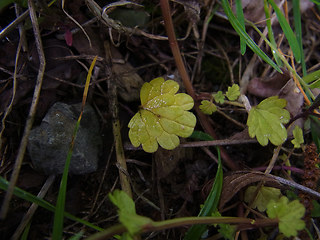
(163, 116)
(298, 137)
(263, 197)
(207, 107)
(289, 215)
(127, 212)
(265, 121)
(233, 92)
(219, 97)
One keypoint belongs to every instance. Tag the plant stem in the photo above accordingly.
(166, 13)
(244, 223)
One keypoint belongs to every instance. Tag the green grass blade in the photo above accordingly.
(59, 213)
(312, 76)
(313, 79)
(287, 31)
(77, 236)
(315, 131)
(25, 234)
(240, 17)
(42, 203)
(237, 26)
(210, 205)
(315, 84)
(298, 30)
(316, 2)
(270, 33)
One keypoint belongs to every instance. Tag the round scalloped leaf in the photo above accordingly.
(163, 116)
(233, 92)
(207, 107)
(219, 97)
(262, 198)
(265, 121)
(289, 215)
(298, 137)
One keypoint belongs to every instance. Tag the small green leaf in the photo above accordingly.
(134, 222)
(289, 215)
(207, 107)
(126, 236)
(122, 201)
(263, 197)
(233, 92)
(226, 230)
(163, 116)
(298, 137)
(265, 121)
(127, 212)
(201, 136)
(316, 209)
(219, 97)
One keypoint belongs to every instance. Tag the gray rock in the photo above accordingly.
(49, 143)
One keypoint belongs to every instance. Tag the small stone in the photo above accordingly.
(49, 143)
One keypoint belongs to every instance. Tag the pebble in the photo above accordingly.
(49, 143)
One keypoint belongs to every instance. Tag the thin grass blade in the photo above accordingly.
(298, 30)
(25, 234)
(42, 203)
(316, 2)
(237, 26)
(59, 213)
(270, 33)
(211, 203)
(287, 31)
(240, 17)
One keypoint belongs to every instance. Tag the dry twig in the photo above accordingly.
(32, 111)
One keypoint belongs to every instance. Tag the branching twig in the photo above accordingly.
(32, 111)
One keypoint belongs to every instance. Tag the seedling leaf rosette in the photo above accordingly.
(163, 116)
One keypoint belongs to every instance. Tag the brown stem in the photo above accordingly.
(186, 79)
(113, 105)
